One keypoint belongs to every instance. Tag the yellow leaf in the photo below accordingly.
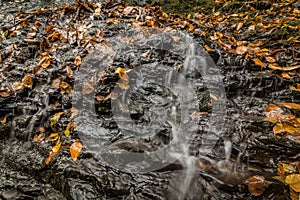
(293, 181)
(53, 137)
(75, 149)
(56, 148)
(54, 118)
(290, 105)
(67, 132)
(4, 120)
(213, 97)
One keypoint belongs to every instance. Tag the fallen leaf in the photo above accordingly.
(287, 168)
(27, 81)
(54, 118)
(241, 50)
(208, 48)
(286, 75)
(293, 181)
(56, 83)
(18, 86)
(50, 157)
(77, 60)
(278, 128)
(239, 26)
(65, 88)
(75, 149)
(270, 59)
(39, 138)
(145, 54)
(70, 127)
(256, 185)
(4, 120)
(258, 62)
(290, 105)
(53, 137)
(87, 88)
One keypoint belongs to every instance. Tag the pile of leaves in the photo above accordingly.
(53, 41)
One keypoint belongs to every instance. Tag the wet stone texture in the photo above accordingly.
(24, 173)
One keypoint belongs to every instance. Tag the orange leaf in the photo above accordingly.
(290, 105)
(278, 128)
(4, 120)
(27, 81)
(208, 48)
(258, 62)
(75, 149)
(239, 26)
(270, 59)
(50, 157)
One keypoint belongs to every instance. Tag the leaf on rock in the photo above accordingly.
(77, 60)
(69, 71)
(87, 88)
(290, 105)
(65, 88)
(18, 86)
(258, 62)
(241, 50)
(270, 59)
(27, 81)
(54, 118)
(256, 185)
(278, 128)
(4, 120)
(53, 137)
(208, 48)
(293, 181)
(75, 149)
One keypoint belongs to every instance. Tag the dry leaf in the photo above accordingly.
(53, 137)
(4, 120)
(290, 105)
(18, 86)
(39, 138)
(75, 149)
(65, 88)
(270, 59)
(293, 181)
(56, 83)
(208, 48)
(27, 81)
(256, 185)
(54, 118)
(241, 50)
(87, 88)
(239, 26)
(278, 128)
(145, 54)
(258, 62)
(77, 60)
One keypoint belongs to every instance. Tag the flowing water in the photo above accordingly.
(185, 128)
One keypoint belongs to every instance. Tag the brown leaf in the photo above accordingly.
(256, 185)
(27, 81)
(39, 138)
(258, 62)
(69, 71)
(65, 88)
(87, 88)
(293, 181)
(290, 105)
(6, 92)
(241, 50)
(50, 157)
(77, 60)
(73, 112)
(239, 26)
(75, 149)
(56, 83)
(18, 86)
(286, 75)
(49, 29)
